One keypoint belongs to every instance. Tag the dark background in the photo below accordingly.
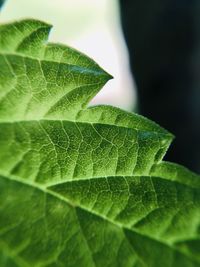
(163, 38)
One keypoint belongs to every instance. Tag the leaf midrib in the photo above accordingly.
(96, 72)
(39, 120)
(65, 200)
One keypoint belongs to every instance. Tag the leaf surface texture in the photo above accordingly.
(83, 186)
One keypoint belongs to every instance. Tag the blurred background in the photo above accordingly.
(152, 48)
(91, 26)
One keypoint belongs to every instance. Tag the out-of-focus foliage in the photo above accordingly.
(1, 2)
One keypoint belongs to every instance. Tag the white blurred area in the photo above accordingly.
(91, 26)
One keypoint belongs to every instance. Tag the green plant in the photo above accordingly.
(83, 186)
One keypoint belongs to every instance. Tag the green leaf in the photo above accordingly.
(83, 186)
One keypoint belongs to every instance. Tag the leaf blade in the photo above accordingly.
(85, 179)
